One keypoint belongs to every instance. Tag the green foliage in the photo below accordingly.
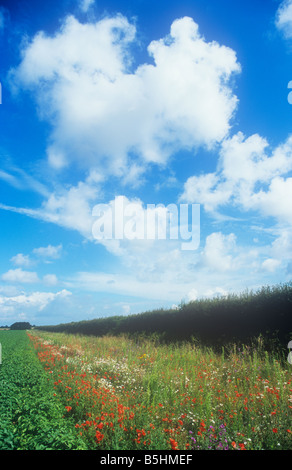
(31, 417)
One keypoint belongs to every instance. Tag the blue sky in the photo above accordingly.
(169, 102)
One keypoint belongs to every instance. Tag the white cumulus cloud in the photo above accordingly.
(249, 176)
(284, 18)
(50, 279)
(30, 303)
(21, 260)
(49, 251)
(102, 112)
(20, 276)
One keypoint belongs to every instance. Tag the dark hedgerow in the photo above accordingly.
(22, 325)
(214, 322)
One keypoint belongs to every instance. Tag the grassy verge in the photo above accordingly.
(141, 395)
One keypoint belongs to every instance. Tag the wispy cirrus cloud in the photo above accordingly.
(85, 5)
(69, 207)
(22, 180)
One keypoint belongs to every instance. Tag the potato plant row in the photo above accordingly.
(31, 417)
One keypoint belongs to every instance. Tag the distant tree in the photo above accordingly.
(21, 325)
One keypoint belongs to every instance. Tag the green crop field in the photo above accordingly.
(30, 416)
(61, 391)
